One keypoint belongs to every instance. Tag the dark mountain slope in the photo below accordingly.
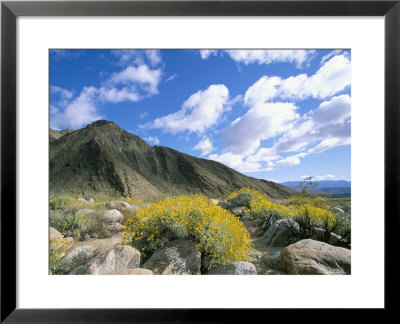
(56, 134)
(103, 156)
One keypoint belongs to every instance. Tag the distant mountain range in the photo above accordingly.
(103, 157)
(338, 187)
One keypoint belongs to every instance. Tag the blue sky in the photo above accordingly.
(273, 114)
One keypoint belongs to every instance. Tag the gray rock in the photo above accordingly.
(319, 235)
(82, 200)
(313, 257)
(54, 234)
(338, 210)
(253, 227)
(224, 204)
(274, 272)
(214, 201)
(119, 258)
(135, 271)
(112, 216)
(176, 257)
(238, 211)
(77, 257)
(118, 204)
(280, 232)
(273, 260)
(57, 242)
(234, 268)
(115, 227)
(90, 200)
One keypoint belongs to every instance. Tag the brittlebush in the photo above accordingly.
(220, 236)
(297, 207)
(259, 205)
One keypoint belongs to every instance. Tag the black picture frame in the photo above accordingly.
(10, 10)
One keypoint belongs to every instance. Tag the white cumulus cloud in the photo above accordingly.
(82, 110)
(298, 57)
(236, 162)
(333, 77)
(205, 146)
(205, 54)
(153, 140)
(261, 122)
(142, 75)
(199, 112)
(329, 125)
(325, 177)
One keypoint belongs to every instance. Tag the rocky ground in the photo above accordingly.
(273, 254)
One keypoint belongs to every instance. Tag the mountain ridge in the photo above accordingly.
(103, 157)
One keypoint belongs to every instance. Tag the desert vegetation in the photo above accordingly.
(230, 230)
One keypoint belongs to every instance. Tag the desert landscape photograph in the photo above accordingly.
(199, 162)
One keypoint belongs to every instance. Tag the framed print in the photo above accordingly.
(162, 137)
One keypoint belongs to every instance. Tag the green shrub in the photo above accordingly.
(114, 193)
(343, 229)
(62, 221)
(63, 202)
(242, 197)
(79, 226)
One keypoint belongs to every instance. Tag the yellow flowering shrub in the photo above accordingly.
(318, 215)
(262, 208)
(259, 205)
(56, 251)
(309, 212)
(220, 236)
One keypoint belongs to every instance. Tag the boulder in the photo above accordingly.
(82, 200)
(54, 234)
(112, 216)
(115, 227)
(58, 242)
(215, 201)
(281, 232)
(90, 200)
(238, 211)
(176, 257)
(69, 241)
(273, 260)
(119, 258)
(224, 204)
(313, 257)
(274, 272)
(77, 257)
(234, 268)
(319, 235)
(338, 210)
(253, 227)
(118, 204)
(85, 211)
(135, 271)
